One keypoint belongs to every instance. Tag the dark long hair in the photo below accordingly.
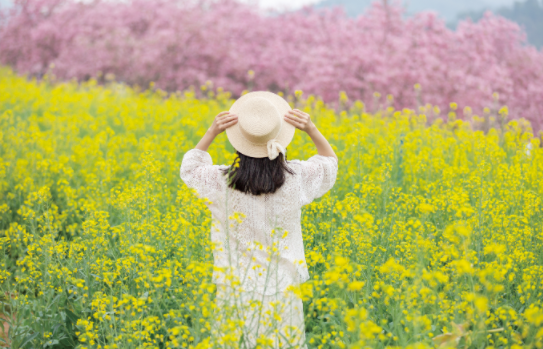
(257, 175)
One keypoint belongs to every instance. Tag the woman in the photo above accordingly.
(256, 212)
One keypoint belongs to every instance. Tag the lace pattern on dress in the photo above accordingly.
(242, 224)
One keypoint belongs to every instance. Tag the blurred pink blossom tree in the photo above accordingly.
(177, 43)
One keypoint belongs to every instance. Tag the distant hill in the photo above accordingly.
(447, 9)
(527, 13)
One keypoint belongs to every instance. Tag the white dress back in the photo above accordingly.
(242, 224)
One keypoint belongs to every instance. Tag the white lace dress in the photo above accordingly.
(258, 245)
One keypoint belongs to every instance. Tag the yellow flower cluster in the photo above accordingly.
(431, 237)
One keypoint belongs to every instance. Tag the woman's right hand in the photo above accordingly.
(301, 120)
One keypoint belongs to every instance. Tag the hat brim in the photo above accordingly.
(258, 150)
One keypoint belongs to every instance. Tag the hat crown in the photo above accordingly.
(260, 130)
(259, 120)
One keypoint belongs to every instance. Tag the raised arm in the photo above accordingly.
(302, 121)
(221, 122)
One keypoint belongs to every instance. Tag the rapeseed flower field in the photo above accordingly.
(431, 237)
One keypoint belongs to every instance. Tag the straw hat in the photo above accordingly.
(261, 130)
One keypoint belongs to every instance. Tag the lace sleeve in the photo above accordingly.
(199, 173)
(318, 175)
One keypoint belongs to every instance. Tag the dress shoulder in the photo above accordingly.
(199, 173)
(316, 176)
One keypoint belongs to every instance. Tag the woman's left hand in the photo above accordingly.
(221, 122)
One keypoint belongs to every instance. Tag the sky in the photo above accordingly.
(273, 4)
(449, 10)
(287, 4)
(295, 4)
